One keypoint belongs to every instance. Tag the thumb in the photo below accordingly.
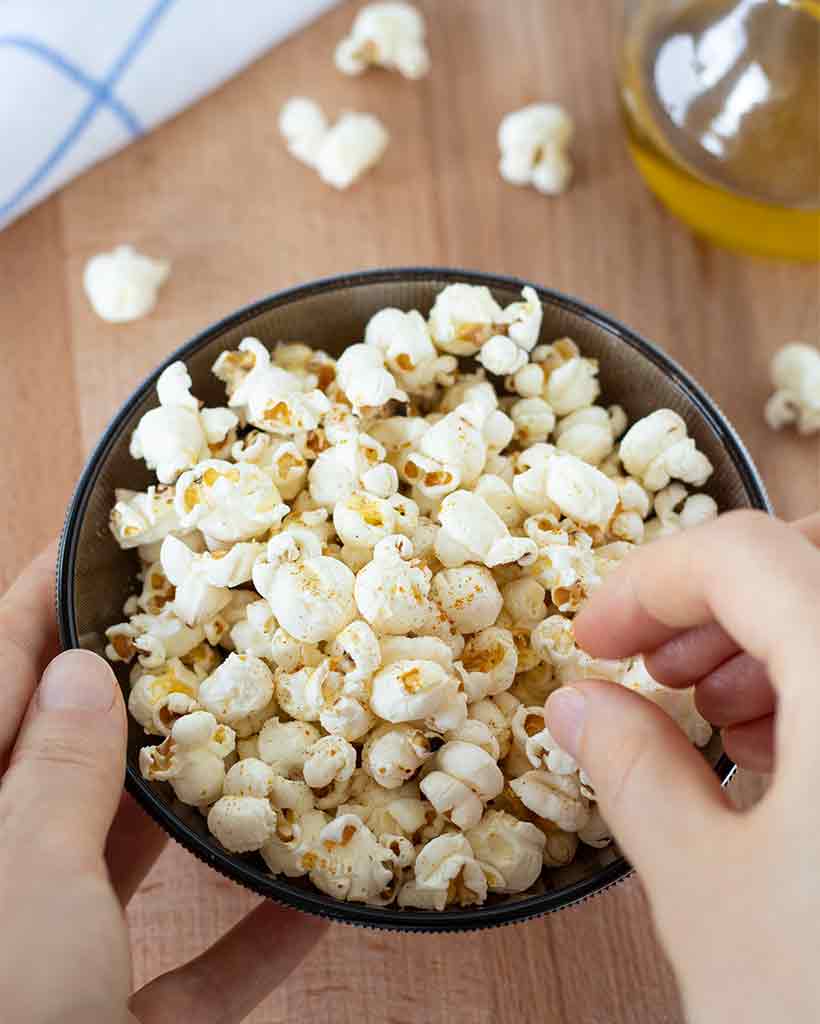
(65, 775)
(655, 791)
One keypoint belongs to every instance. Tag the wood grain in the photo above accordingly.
(215, 191)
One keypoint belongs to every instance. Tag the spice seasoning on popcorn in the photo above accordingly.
(357, 586)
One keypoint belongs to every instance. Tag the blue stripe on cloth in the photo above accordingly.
(76, 74)
(101, 96)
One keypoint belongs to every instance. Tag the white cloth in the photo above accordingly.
(79, 79)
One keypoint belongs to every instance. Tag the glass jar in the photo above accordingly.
(721, 100)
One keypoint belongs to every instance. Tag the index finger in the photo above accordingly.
(28, 640)
(755, 576)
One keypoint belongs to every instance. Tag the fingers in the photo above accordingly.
(751, 744)
(758, 578)
(655, 790)
(65, 774)
(737, 691)
(228, 980)
(28, 638)
(691, 655)
(134, 843)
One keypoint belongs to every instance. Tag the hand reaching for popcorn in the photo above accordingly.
(73, 850)
(733, 606)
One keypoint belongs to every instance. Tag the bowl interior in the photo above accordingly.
(95, 576)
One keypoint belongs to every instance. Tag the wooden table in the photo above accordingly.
(215, 191)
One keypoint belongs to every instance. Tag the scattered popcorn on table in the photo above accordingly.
(387, 35)
(122, 285)
(356, 589)
(340, 153)
(795, 374)
(533, 143)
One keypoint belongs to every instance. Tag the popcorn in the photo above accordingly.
(254, 633)
(586, 433)
(228, 502)
(523, 319)
(303, 127)
(695, 509)
(173, 437)
(392, 754)
(352, 146)
(557, 798)
(488, 663)
(533, 418)
(500, 355)
(500, 497)
(457, 441)
(340, 153)
(289, 851)
(361, 375)
(241, 686)
(155, 639)
(471, 531)
(160, 697)
(387, 35)
(464, 779)
(242, 823)
(191, 758)
(362, 520)
(528, 382)
(533, 143)
(656, 449)
(580, 491)
(524, 601)
(331, 759)
(348, 863)
(275, 400)
(409, 353)
(319, 578)
(488, 713)
(392, 591)
(446, 867)
(468, 596)
(202, 582)
(795, 372)
(573, 385)
(122, 285)
(477, 733)
(515, 849)
(284, 746)
(312, 598)
(143, 517)
(411, 690)
(281, 459)
(560, 846)
(462, 318)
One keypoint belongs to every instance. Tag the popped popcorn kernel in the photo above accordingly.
(795, 372)
(122, 285)
(533, 143)
(386, 35)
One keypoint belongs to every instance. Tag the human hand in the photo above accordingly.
(735, 895)
(66, 871)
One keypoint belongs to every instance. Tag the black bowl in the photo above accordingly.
(95, 576)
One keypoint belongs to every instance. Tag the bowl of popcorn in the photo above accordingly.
(333, 548)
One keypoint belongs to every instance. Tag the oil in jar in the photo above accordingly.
(722, 106)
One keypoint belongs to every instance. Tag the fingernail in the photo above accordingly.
(77, 680)
(565, 711)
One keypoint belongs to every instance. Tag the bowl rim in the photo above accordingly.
(277, 887)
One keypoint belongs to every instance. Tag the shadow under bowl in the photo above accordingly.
(95, 577)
